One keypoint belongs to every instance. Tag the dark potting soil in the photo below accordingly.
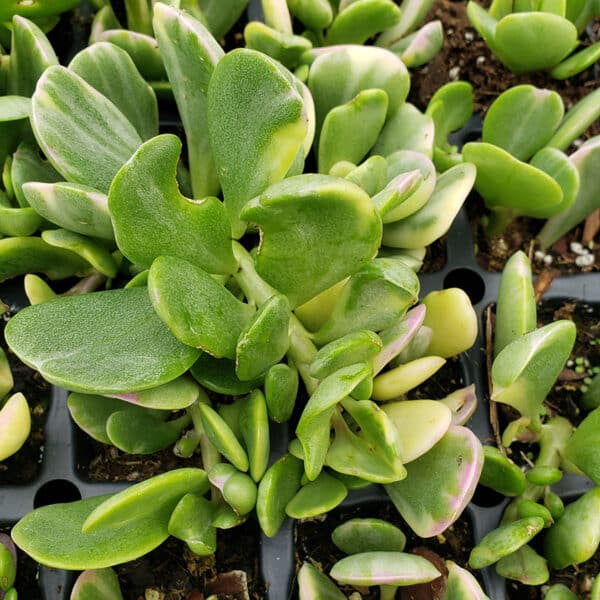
(313, 544)
(24, 466)
(175, 573)
(26, 582)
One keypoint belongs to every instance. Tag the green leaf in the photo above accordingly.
(501, 474)
(350, 130)
(222, 437)
(22, 255)
(407, 129)
(174, 395)
(368, 535)
(577, 62)
(374, 298)
(286, 48)
(254, 425)
(218, 375)
(152, 218)
(14, 108)
(332, 218)
(420, 47)
(177, 288)
(85, 137)
(111, 71)
(396, 382)
(53, 536)
(277, 487)
(97, 584)
(150, 498)
(237, 489)
(504, 541)
(281, 389)
(361, 20)
(191, 521)
(583, 448)
(143, 433)
(18, 221)
(439, 484)
(575, 537)
(413, 13)
(316, 497)
(30, 55)
(434, 219)
(221, 15)
(313, 584)
(462, 585)
(384, 568)
(339, 74)
(587, 163)
(420, 424)
(15, 425)
(505, 182)
(314, 425)
(93, 252)
(516, 306)
(522, 120)
(264, 340)
(106, 342)
(526, 369)
(39, 9)
(142, 49)
(91, 412)
(560, 592)
(75, 207)
(257, 123)
(190, 54)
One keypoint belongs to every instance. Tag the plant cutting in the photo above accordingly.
(516, 33)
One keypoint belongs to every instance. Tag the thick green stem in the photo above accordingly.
(139, 16)
(498, 220)
(387, 592)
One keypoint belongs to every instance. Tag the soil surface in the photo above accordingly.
(175, 573)
(314, 545)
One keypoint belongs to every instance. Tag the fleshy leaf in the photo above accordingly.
(314, 425)
(520, 41)
(420, 424)
(435, 218)
(265, 340)
(174, 395)
(368, 535)
(374, 298)
(362, 19)
(350, 130)
(191, 521)
(237, 489)
(504, 540)
(15, 425)
(284, 47)
(503, 181)
(314, 585)
(413, 13)
(516, 306)
(111, 71)
(384, 568)
(315, 14)
(22, 255)
(524, 565)
(218, 375)
(439, 484)
(277, 487)
(331, 217)
(501, 474)
(106, 342)
(316, 497)
(281, 390)
(575, 537)
(257, 123)
(152, 218)
(254, 425)
(97, 584)
(221, 15)
(522, 120)
(178, 288)
(583, 447)
(84, 135)
(421, 46)
(525, 371)
(30, 55)
(461, 585)
(39, 532)
(150, 498)
(190, 54)
(75, 207)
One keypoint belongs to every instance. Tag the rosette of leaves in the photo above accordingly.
(316, 300)
(522, 168)
(517, 33)
(353, 22)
